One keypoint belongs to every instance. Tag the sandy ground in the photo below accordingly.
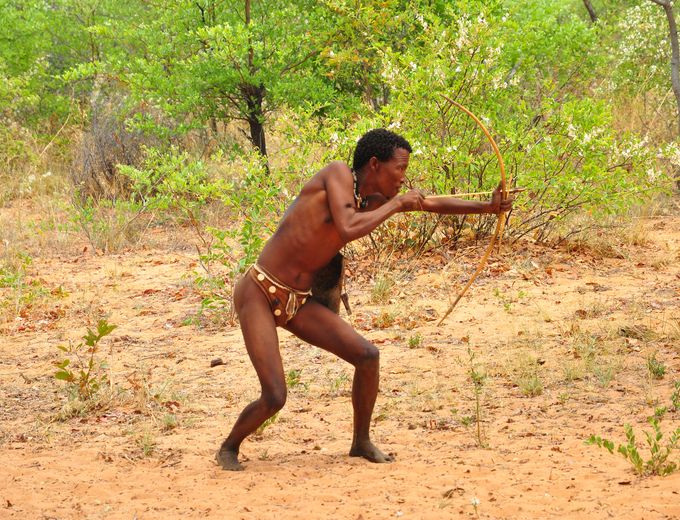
(562, 337)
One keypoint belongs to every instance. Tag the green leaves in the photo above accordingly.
(103, 329)
(658, 463)
(602, 443)
(81, 369)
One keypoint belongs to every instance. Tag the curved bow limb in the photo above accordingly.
(500, 218)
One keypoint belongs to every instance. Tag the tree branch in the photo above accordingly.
(675, 51)
(591, 10)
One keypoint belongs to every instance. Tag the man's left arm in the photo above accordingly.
(456, 206)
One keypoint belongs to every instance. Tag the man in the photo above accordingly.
(336, 206)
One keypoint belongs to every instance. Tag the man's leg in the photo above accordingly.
(261, 339)
(319, 326)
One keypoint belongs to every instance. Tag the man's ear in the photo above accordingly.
(373, 163)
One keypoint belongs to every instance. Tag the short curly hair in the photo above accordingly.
(378, 143)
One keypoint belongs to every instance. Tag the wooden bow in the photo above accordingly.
(500, 223)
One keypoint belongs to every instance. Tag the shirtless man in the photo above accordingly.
(336, 206)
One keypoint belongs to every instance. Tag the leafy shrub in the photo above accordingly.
(659, 462)
(107, 144)
(656, 367)
(111, 223)
(18, 293)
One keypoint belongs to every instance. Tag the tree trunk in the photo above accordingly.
(254, 97)
(675, 51)
(591, 10)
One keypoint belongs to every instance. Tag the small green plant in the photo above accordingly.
(656, 368)
(660, 411)
(604, 373)
(563, 397)
(384, 320)
(260, 430)
(675, 396)
(24, 293)
(467, 420)
(216, 308)
(13, 269)
(147, 444)
(530, 385)
(659, 462)
(294, 379)
(478, 379)
(527, 375)
(415, 341)
(504, 299)
(474, 501)
(586, 348)
(336, 384)
(169, 422)
(81, 369)
(111, 224)
(264, 455)
(382, 290)
(507, 300)
(573, 371)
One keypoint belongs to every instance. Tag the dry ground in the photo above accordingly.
(562, 338)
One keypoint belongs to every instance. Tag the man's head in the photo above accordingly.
(378, 143)
(382, 156)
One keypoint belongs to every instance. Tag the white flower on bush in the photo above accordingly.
(670, 152)
(571, 131)
(498, 83)
(422, 21)
(462, 39)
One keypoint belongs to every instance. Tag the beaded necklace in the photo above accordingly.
(358, 200)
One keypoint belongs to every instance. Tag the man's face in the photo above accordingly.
(392, 173)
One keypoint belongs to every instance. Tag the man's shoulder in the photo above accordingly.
(336, 171)
(336, 168)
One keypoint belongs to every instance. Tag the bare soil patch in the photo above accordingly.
(563, 339)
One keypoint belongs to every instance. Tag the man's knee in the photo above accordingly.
(369, 354)
(275, 398)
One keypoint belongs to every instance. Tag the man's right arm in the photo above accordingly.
(351, 223)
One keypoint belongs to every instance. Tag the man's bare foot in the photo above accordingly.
(228, 460)
(369, 451)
